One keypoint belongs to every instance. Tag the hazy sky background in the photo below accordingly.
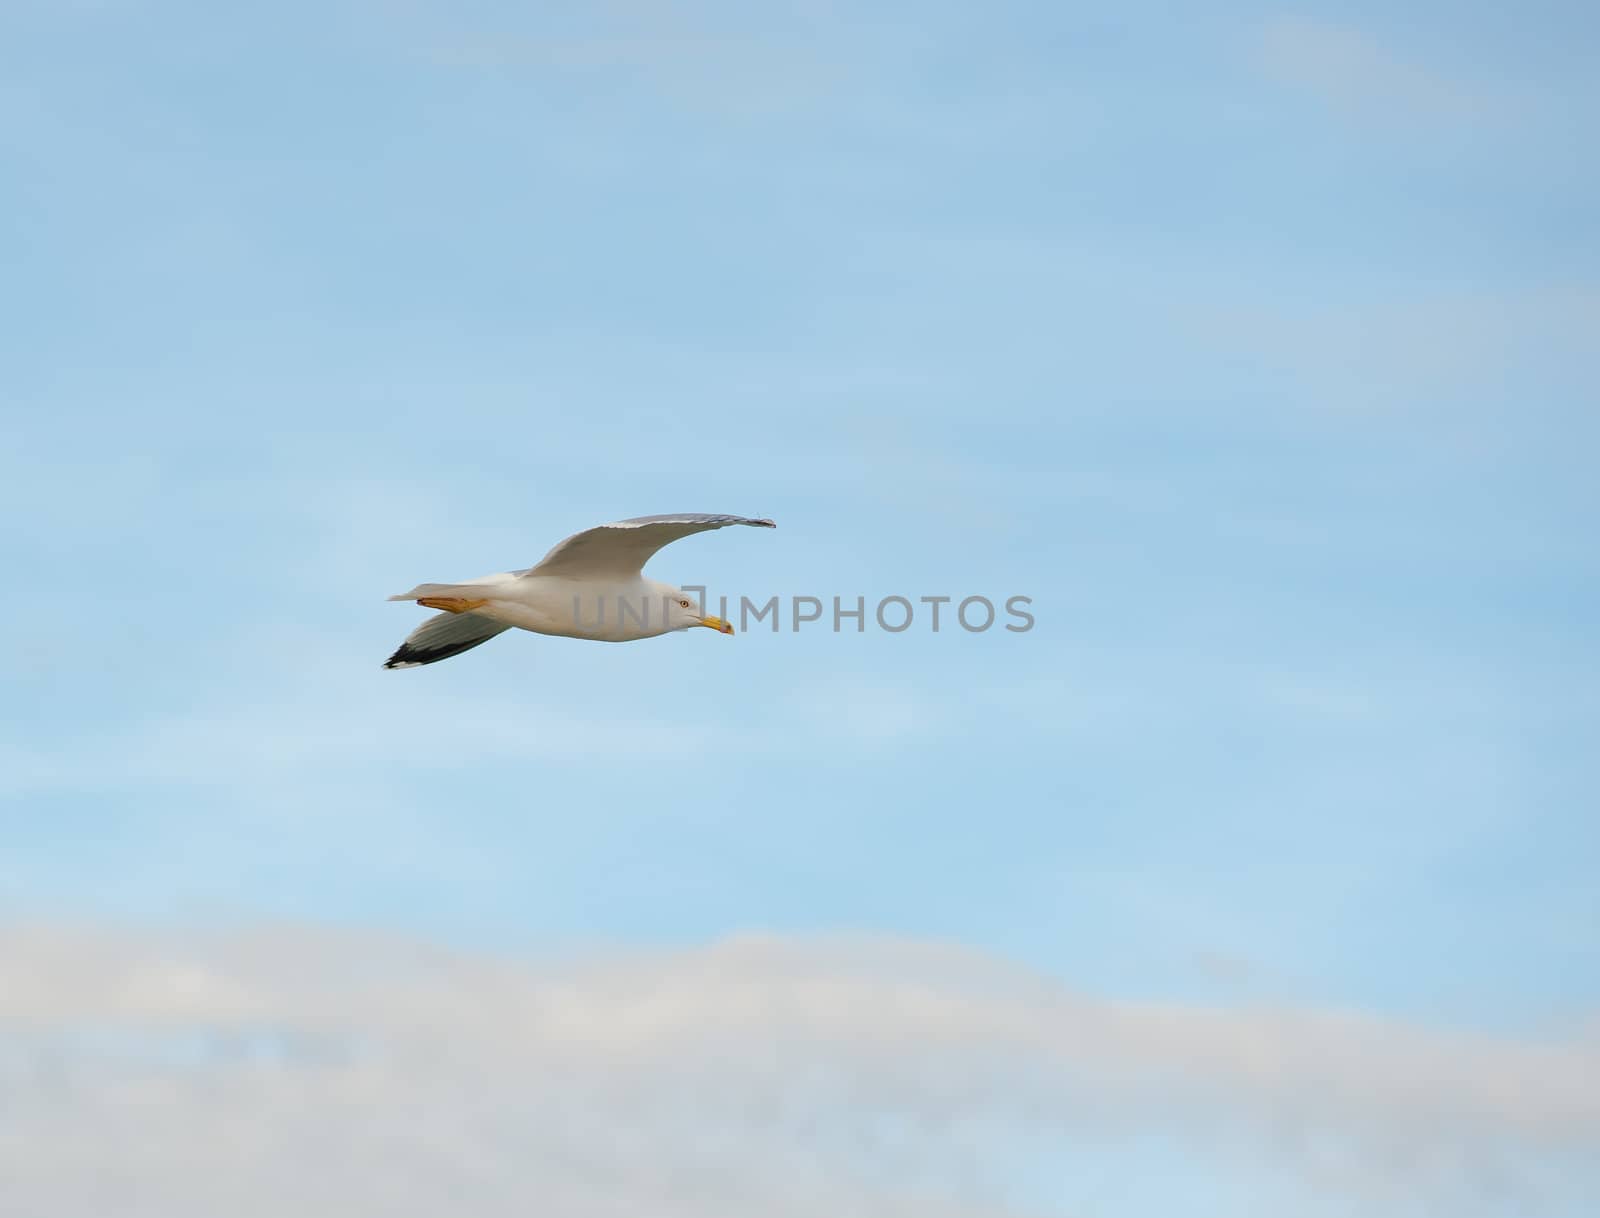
(1258, 345)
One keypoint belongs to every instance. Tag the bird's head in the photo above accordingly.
(683, 611)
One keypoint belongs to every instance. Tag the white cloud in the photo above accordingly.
(296, 1070)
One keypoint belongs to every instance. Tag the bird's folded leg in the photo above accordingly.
(450, 604)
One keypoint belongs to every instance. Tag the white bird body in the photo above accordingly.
(590, 586)
(614, 611)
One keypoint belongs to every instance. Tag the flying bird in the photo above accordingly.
(590, 586)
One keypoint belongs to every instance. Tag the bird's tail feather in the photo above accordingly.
(454, 591)
(442, 636)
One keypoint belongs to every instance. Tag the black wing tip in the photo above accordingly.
(412, 657)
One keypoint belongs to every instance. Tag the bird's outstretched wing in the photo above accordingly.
(621, 549)
(442, 636)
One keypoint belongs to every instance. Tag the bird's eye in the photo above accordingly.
(685, 604)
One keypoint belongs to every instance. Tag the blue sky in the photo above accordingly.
(1257, 345)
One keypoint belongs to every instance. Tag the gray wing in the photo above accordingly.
(622, 548)
(442, 636)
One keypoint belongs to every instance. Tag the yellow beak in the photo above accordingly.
(717, 624)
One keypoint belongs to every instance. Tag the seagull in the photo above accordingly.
(590, 586)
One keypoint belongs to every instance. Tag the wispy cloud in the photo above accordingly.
(1407, 346)
(357, 1074)
(1359, 75)
(368, 723)
(291, 739)
(685, 57)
